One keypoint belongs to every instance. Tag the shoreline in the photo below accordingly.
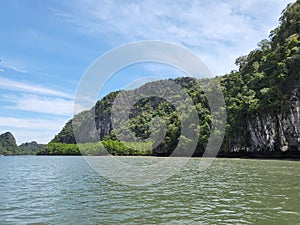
(267, 156)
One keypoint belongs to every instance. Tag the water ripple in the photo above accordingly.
(65, 190)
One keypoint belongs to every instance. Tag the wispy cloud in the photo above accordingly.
(16, 64)
(19, 70)
(35, 124)
(9, 84)
(218, 31)
(28, 135)
(40, 104)
(1, 70)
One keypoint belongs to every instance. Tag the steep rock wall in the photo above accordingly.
(271, 131)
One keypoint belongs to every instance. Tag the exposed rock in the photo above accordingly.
(271, 131)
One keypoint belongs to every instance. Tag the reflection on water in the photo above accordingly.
(65, 190)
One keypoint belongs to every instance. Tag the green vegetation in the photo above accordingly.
(8, 145)
(30, 148)
(266, 75)
(59, 149)
(97, 148)
(262, 84)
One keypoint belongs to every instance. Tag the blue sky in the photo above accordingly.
(46, 46)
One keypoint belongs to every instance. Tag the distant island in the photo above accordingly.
(262, 104)
(8, 146)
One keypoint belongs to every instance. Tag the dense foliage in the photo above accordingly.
(29, 148)
(8, 145)
(97, 148)
(59, 149)
(266, 75)
(263, 83)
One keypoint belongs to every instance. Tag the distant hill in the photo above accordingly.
(30, 148)
(8, 145)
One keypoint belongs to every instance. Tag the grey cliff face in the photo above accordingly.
(270, 131)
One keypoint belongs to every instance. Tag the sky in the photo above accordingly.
(46, 47)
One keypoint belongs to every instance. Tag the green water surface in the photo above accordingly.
(65, 190)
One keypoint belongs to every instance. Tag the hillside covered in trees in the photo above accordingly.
(262, 106)
(8, 146)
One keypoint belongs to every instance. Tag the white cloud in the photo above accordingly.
(30, 88)
(1, 70)
(218, 31)
(35, 124)
(16, 65)
(38, 130)
(40, 104)
(19, 70)
(42, 137)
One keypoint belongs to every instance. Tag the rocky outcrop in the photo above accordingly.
(104, 124)
(8, 144)
(269, 132)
